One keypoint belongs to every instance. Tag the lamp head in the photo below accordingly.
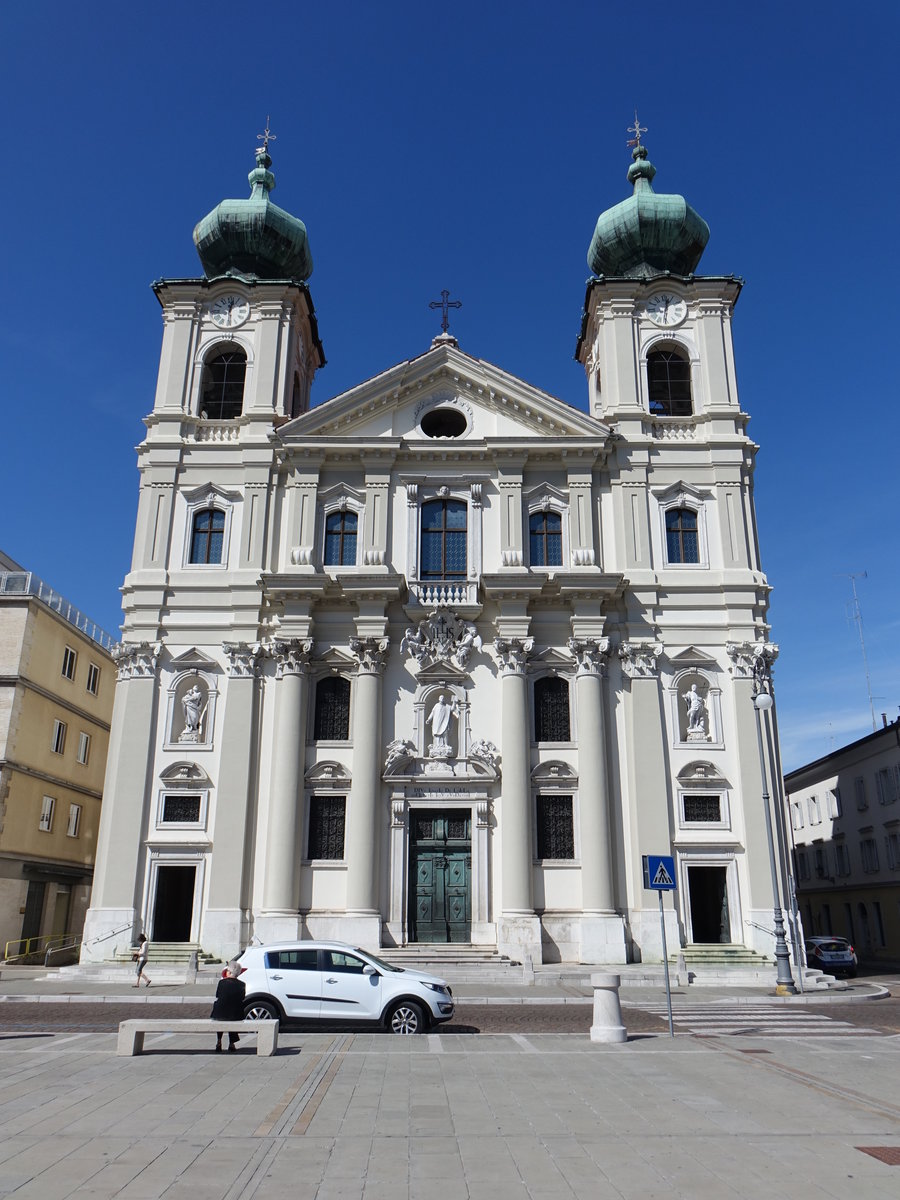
(762, 701)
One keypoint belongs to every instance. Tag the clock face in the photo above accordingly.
(229, 311)
(665, 308)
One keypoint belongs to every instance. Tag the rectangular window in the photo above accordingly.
(821, 862)
(841, 858)
(180, 810)
(869, 853)
(93, 679)
(68, 663)
(555, 827)
(879, 923)
(551, 710)
(802, 865)
(74, 820)
(47, 806)
(703, 809)
(892, 845)
(340, 539)
(58, 741)
(331, 717)
(815, 812)
(859, 790)
(545, 539)
(886, 782)
(326, 827)
(796, 814)
(834, 802)
(84, 748)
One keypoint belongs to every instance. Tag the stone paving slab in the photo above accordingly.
(537, 1117)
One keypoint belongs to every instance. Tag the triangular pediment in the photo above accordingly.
(551, 659)
(194, 658)
(692, 657)
(473, 399)
(336, 660)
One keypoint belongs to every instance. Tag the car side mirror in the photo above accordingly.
(368, 969)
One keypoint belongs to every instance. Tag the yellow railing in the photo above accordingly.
(35, 945)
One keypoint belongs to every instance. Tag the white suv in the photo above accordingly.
(332, 981)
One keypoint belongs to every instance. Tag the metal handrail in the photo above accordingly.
(59, 949)
(49, 938)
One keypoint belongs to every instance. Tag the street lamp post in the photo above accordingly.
(784, 984)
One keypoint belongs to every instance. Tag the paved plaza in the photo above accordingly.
(520, 1116)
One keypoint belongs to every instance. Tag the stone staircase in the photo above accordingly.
(455, 962)
(169, 963)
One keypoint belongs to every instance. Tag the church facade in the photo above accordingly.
(440, 659)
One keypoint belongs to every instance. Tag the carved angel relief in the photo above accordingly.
(441, 637)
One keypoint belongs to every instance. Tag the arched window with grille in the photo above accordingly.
(340, 538)
(669, 384)
(443, 545)
(551, 710)
(208, 536)
(682, 536)
(545, 539)
(331, 719)
(222, 386)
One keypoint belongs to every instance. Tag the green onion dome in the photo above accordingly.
(254, 237)
(647, 233)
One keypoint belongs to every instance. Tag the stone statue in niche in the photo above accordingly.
(439, 720)
(696, 715)
(194, 709)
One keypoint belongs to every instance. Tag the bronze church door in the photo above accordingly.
(440, 852)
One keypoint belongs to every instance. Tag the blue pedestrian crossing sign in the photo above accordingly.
(659, 873)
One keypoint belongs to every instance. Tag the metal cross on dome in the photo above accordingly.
(444, 304)
(266, 137)
(637, 129)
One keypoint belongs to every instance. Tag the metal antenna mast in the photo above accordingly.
(856, 615)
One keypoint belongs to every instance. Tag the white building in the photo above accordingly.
(442, 658)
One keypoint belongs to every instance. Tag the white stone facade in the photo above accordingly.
(223, 798)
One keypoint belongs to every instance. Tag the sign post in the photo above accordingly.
(659, 877)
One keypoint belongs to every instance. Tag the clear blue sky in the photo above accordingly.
(469, 147)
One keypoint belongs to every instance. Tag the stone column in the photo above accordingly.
(519, 930)
(224, 928)
(602, 929)
(363, 921)
(280, 918)
(114, 917)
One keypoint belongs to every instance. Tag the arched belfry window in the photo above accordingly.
(222, 386)
(207, 536)
(669, 384)
(682, 536)
(444, 539)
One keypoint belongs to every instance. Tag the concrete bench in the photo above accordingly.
(131, 1033)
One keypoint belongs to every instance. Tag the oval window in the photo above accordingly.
(443, 423)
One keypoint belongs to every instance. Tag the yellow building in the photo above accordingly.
(57, 678)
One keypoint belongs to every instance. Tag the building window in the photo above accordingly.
(802, 865)
(58, 741)
(331, 722)
(892, 845)
(84, 748)
(222, 389)
(682, 536)
(815, 812)
(179, 809)
(93, 679)
(859, 789)
(555, 828)
(68, 663)
(74, 820)
(208, 536)
(443, 539)
(340, 539)
(551, 710)
(796, 814)
(48, 804)
(545, 539)
(821, 862)
(868, 850)
(841, 858)
(669, 384)
(702, 809)
(834, 802)
(326, 827)
(886, 782)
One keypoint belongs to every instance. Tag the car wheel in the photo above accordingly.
(261, 1010)
(406, 1017)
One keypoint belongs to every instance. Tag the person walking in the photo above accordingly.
(140, 956)
(229, 1005)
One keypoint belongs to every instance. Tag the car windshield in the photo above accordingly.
(832, 947)
(379, 962)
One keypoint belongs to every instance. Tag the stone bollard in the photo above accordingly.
(528, 969)
(607, 1026)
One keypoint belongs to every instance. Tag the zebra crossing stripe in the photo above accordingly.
(758, 1019)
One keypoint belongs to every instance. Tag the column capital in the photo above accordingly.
(136, 660)
(752, 660)
(513, 654)
(292, 656)
(243, 659)
(371, 654)
(590, 655)
(639, 659)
